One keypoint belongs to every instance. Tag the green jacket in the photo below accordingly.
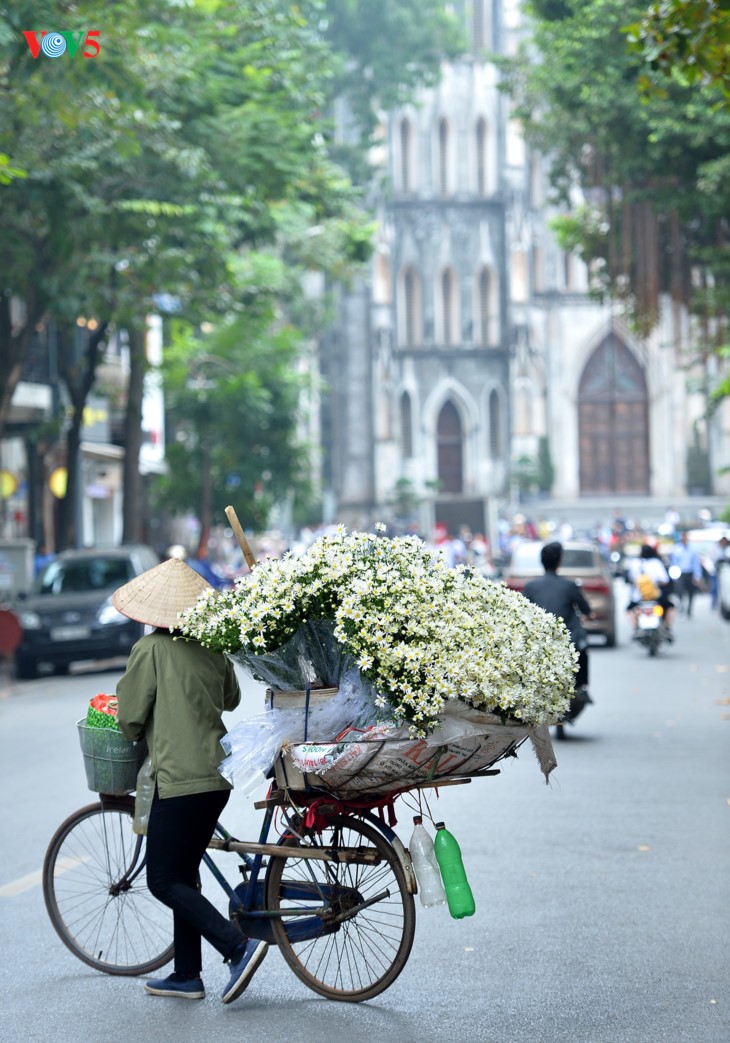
(174, 692)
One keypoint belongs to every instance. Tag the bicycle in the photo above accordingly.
(335, 892)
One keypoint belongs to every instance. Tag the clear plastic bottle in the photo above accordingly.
(143, 797)
(430, 888)
(448, 854)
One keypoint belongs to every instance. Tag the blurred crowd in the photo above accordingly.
(220, 560)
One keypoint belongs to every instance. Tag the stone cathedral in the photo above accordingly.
(474, 338)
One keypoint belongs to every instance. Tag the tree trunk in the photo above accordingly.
(70, 529)
(79, 355)
(132, 509)
(13, 350)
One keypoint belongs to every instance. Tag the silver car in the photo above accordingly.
(582, 562)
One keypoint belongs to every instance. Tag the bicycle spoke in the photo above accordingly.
(97, 897)
(361, 948)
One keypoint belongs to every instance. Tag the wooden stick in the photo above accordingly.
(240, 537)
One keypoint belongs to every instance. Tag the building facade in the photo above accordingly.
(476, 340)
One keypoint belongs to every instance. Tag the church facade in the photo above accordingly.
(475, 346)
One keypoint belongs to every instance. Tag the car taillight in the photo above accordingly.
(514, 584)
(595, 586)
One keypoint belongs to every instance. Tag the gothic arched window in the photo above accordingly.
(487, 306)
(410, 325)
(443, 157)
(406, 159)
(496, 442)
(449, 445)
(481, 157)
(406, 426)
(479, 25)
(449, 308)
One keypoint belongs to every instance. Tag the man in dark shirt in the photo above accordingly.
(564, 598)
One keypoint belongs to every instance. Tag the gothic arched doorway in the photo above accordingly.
(613, 429)
(449, 449)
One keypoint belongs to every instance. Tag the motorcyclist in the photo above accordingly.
(650, 564)
(564, 598)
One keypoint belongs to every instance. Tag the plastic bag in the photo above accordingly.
(353, 706)
(253, 745)
(312, 656)
(143, 797)
(102, 712)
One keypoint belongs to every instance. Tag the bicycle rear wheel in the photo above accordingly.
(358, 947)
(96, 894)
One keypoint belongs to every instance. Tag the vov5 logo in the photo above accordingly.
(53, 45)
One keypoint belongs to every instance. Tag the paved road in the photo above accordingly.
(602, 899)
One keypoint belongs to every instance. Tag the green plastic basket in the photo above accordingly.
(110, 760)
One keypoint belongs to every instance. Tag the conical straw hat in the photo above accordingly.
(160, 594)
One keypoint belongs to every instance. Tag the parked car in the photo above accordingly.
(69, 615)
(581, 562)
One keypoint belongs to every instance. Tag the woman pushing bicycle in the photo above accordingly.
(173, 693)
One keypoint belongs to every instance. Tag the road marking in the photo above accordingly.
(27, 883)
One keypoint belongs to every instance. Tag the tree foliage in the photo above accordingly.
(686, 40)
(653, 217)
(192, 158)
(387, 49)
(195, 138)
(234, 393)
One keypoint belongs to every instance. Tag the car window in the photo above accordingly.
(65, 577)
(578, 559)
(526, 556)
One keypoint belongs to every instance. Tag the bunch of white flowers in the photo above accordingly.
(420, 631)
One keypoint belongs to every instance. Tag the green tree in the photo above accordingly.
(387, 49)
(179, 148)
(654, 172)
(686, 40)
(234, 395)
(197, 143)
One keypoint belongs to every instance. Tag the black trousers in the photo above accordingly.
(177, 835)
(688, 589)
(581, 677)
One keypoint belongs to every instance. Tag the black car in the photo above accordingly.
(69, 615)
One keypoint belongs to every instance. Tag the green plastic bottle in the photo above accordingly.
(448, 855)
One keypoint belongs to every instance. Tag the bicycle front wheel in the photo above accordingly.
(358, 946)
(96, 894)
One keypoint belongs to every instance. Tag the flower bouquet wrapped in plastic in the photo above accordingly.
(421, 635)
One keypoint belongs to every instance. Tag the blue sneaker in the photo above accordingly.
(184, 988)
(243, 967)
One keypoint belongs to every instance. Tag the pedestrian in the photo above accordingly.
(564, 598)
(721, 559)
(688, 562)
(173, 694)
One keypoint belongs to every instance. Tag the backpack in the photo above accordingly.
(647, 587)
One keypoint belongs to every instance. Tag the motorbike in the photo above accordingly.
(650, 631)
(578, 703)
